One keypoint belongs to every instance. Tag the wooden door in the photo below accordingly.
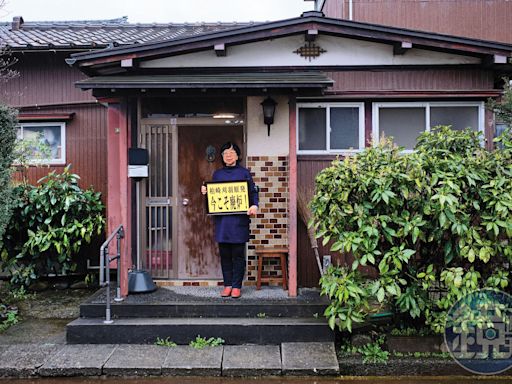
(197, 251)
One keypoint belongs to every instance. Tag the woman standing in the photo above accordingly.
(232, 231)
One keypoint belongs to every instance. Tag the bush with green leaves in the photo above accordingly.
(54, 219)
(435, 224)
(503, 107)
(8, 121)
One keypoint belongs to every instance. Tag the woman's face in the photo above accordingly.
(230, 157)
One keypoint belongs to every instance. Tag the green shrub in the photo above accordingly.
(348, 294)
(438, 220)
(8, 121)
(54, 220)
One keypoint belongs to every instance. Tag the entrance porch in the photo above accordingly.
(267, 316)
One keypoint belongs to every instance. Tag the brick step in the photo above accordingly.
(235, 331)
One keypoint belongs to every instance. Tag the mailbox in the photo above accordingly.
(138, 160)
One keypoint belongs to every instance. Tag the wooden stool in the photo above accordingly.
(280, 253)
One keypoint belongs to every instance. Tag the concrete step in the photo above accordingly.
(234, 331)
(202, 309)
(187, 302)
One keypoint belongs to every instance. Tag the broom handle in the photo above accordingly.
(317, 256)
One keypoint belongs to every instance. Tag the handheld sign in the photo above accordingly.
(227, 197)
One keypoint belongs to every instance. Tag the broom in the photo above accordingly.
(303, 198)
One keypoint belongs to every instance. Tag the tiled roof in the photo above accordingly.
(88, 34)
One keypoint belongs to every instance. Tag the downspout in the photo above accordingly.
(350, 10)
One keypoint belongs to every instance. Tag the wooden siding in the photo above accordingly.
(86, 147)
(45, 78)
(46, 85)
(479, 19)
(406, 80)
(307, 273)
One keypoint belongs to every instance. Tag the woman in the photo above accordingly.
(232, 231)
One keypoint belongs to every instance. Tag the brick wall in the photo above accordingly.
(270, 227)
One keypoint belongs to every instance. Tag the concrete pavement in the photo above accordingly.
(45, 360)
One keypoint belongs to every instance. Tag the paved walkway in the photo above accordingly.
(47, 359)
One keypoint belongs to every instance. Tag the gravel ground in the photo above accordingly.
(212, 294)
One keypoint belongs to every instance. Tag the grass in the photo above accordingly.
(202, 342)
(167, 342)
(11, 318)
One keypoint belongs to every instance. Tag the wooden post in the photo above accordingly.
(118, 184)
(292, 202)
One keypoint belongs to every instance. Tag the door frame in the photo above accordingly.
(172, 201)
(174, 204)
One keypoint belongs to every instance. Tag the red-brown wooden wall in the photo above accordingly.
(479, 19)
(371, 84)
(46, 86)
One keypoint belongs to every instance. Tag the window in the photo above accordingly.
(330, 127)
(406, 121)
(47, 141)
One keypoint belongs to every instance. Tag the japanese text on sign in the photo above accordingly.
(227, 197)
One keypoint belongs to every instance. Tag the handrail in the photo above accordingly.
(105, 261)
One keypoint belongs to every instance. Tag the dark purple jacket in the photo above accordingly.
(234, 229)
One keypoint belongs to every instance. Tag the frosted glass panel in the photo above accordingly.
(344, 128)
(312, 129)
(403, 124)
(458, 117)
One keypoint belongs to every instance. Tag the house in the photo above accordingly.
(337, 83)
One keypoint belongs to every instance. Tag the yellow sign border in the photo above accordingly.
(228, 189)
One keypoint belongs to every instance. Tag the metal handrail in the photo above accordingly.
(105, 261)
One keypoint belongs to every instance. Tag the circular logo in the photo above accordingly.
(478, 332)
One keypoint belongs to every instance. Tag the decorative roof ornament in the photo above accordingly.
(310, 50)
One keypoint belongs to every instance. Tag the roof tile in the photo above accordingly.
(99, 33)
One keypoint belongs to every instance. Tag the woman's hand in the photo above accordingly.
(203, 189)
(253, 210)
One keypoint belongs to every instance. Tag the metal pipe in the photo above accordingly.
(102, 250)
(137, 198)
(350, 9)
(108, 319)
(118, 297)
(105, 264)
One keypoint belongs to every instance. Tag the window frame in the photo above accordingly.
(62, 160)
(427, 105)
(328, 106)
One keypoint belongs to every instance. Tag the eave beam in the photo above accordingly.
(311, 34)
(401, 47)
(220, 50)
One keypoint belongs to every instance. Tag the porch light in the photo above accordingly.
(269, 109)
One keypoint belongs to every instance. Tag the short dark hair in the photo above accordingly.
(230, 145)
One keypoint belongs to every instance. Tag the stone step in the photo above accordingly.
(187, 302)
(234, 331)
(202, 309)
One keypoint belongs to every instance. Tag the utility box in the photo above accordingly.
(138, 160)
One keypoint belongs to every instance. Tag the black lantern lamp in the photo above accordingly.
(269, 109)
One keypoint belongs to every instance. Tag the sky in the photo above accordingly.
(160, 11)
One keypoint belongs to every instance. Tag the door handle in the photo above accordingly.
(185, 202)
